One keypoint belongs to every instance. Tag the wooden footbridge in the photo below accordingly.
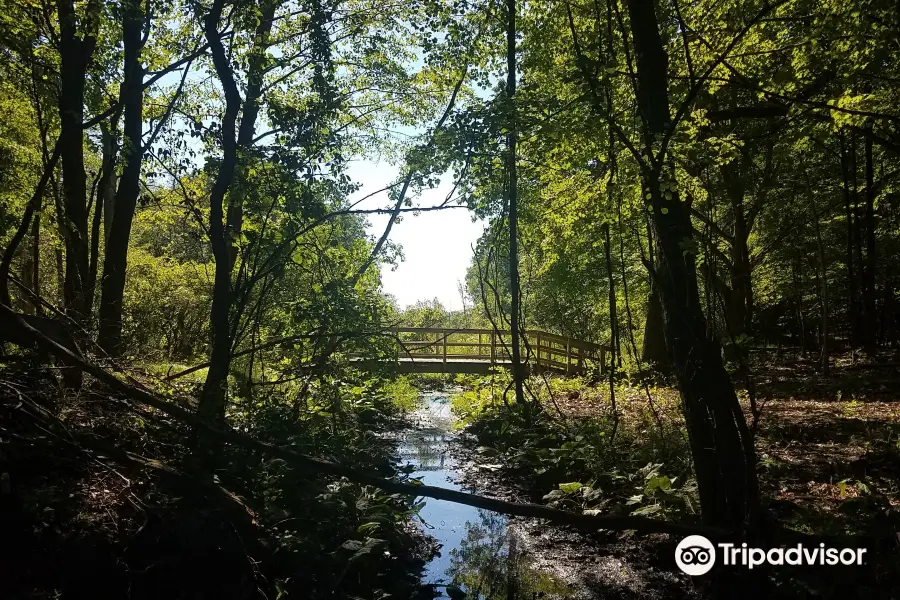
(429, 350)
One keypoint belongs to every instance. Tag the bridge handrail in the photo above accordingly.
(561, 339)
(548, 349)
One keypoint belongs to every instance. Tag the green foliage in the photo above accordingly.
(637, 470)
(166, 308)
(402, 394)
(780, 150)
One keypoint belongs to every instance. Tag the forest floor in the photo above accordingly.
(829, 464)
(96, 506)
(96, 503)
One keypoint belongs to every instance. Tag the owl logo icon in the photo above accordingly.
(695, 555)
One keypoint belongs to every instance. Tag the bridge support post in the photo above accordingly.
(445, 348)
(493, 347)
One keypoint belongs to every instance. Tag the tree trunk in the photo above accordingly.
(721, 445)
(115, 259)
(36, 261)
(211, 408)
(512, 183)
(740, 300)
(654, 351)
(857, 239)
(822, 276)
(60, 275)
(26, 274)
(76, 49)
(852, 299)
(104, 187)
(31, 208)
(613, 328)
(870, 319)
(614, 337)
(234, 218)
(796, 270)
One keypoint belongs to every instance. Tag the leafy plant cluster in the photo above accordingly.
(587, 463)
(333, 536)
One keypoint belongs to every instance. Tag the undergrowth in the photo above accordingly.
(101, 500)
(635, 460)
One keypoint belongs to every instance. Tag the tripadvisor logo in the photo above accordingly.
(696, 555)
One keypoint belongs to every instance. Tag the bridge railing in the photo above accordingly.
(540, 348)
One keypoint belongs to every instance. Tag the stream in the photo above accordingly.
(478, 556)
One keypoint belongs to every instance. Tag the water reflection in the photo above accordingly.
(479, 557)
(489, 565)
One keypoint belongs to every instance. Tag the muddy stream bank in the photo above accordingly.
(488, 556)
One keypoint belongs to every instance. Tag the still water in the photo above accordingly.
(478, 557)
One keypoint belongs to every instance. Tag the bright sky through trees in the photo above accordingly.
(437, 245)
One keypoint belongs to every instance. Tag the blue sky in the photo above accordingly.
(437, 245)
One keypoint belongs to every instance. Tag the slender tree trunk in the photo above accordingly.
(211, 407)
(852, 308)
(26, 274)
(115, 261)
(613, 311)
(888, 310)
(234, 218)
(36, 260)
(104, 189)
(709, 272)
(740, 299)
(721, 445)
(60, 275)
(511, 141)
(76, 49)
(30, 209)
(629, 321)
(654, 351)
(857, 237)
(870, 319)
(822, 276)
(613, 327)
(742, 283)
(798, 286)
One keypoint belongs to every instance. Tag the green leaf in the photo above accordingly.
(570, 488)
(647, 510)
